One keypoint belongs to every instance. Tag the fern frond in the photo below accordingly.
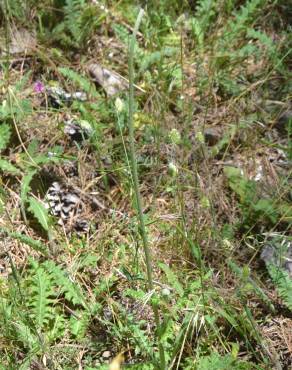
(57, 328)
(205, 11)
(243, 19)
(67, 287)
(41, 290)
(156, 57)
(79, 80)
(282, 282)
(73, 18)
(215, 361)
(247, 13)
(271, 49)
(78, 325)
(5, 134)
(25, 335)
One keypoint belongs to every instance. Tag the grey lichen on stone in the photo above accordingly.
(278, 251)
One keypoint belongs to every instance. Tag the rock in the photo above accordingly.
(22, 41)
(278, 251)
(211, 136)
(106, 355)
(67, 206)
(282, 123)
(78, 130)
(58, 96)
(110, 81)
(82, 226)
(107, 313)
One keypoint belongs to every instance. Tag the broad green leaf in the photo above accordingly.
(267, 208)
(33, 147)
(244, 188)
(5, 110)
(40, 212)
(56, 330)
(285, 210)
(228, 317)
(79, 325)
(172, 279)
(5, 134)
(8, 167)
(232, 173)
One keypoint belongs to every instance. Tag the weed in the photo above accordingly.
(203, 138)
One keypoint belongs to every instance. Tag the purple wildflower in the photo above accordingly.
(39, 87)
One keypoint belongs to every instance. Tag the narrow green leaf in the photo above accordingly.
(25, 185)
(34, 244)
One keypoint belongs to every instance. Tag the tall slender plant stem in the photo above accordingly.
(138, 197)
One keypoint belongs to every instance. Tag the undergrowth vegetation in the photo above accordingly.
(145, 190)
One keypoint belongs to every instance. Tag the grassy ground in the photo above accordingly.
(212, 126)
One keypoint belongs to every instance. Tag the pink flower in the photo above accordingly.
(39, 87)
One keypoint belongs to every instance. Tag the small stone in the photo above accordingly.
(78, 95)
(278, 252)
(268, 254)
(56, 186)
(211, 136)
(71, 198)
(78, 130)
(106, 355)
(107, 313)
(288, 268)
(82, 226)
